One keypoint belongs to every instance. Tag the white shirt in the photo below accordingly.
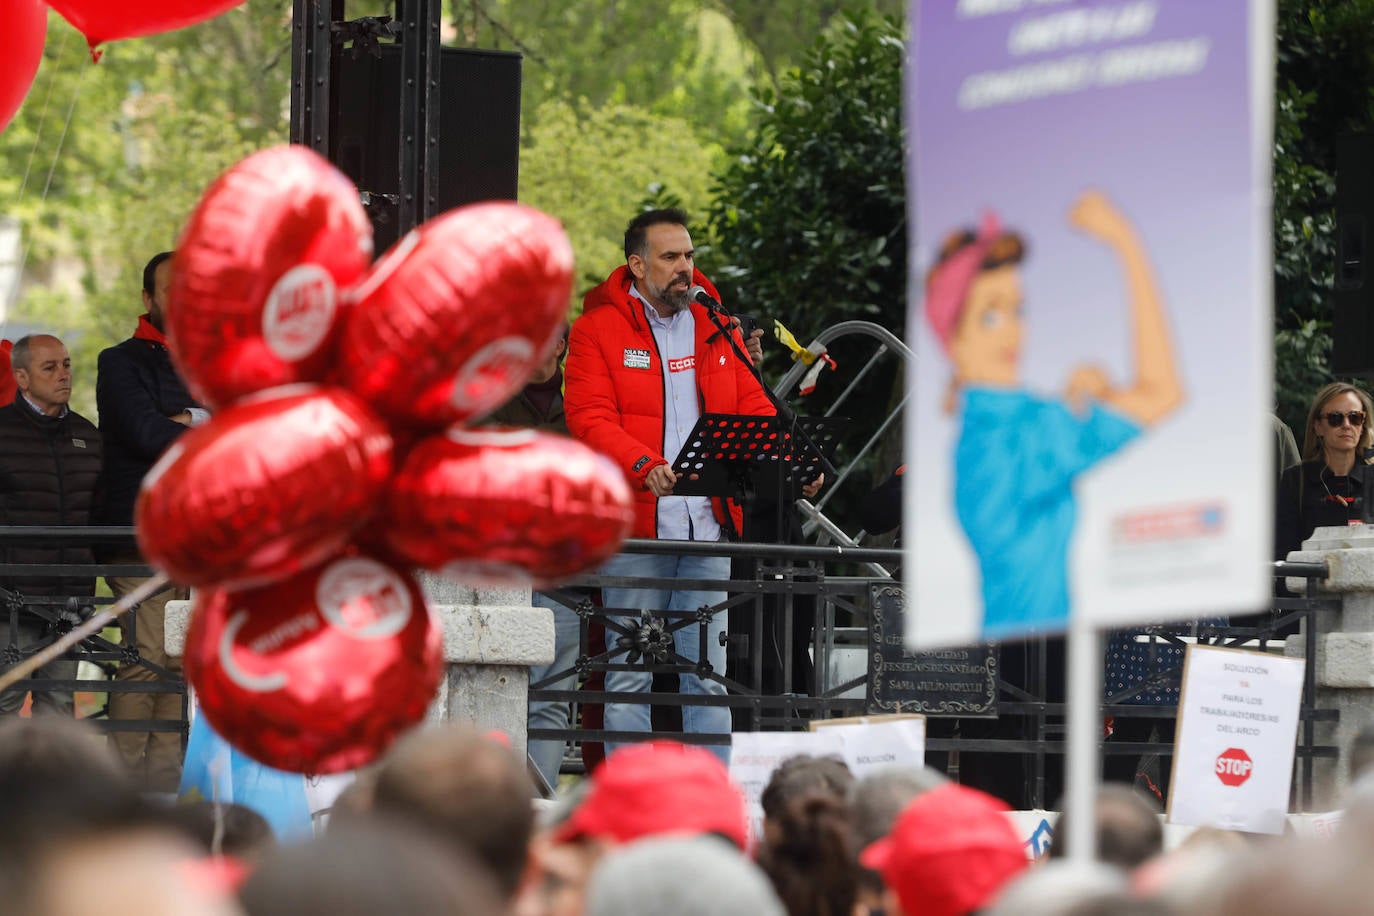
(680, 518)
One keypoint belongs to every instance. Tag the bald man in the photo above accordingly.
(50, 460)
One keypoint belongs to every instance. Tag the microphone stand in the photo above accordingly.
(724, 324)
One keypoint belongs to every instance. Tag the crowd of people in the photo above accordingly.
(448, 823)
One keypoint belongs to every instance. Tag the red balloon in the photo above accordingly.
(8, 387)
(110, 20)
(317, 673)
(271, 486)
(507, 506)
(456, 315)
(26, 28)
(255, 298)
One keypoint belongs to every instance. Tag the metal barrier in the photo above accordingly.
(1032, 705)
(788, 591)
(60, 613)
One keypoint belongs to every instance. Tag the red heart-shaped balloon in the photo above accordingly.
(454, 317)
(271, 486)
(109, 20)
(26, 28)
(256, 288)
(319, 672)
(507, 506)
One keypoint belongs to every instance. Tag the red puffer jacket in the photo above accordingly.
(614, 401)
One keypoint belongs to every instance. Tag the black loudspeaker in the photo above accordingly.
(1353, 319)
(479, 129)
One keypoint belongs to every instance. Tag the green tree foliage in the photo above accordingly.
(592, 168)
(1325, 87)
(150, 127)
(677, 58)
(782, 29)
(809, 220)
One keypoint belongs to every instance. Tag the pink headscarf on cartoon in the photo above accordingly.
(948, 284)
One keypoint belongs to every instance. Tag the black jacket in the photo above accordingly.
(49, 475)
(521, 411)
(1311, 497)
(136, 391)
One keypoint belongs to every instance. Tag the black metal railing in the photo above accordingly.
(58, 614)
(785, 577)
(786, 605)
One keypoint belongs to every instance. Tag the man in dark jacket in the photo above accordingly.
(539, 405)
(144, 406)
(49, 473)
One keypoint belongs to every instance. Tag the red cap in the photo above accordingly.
(658, 788)
(949, 852)
(216, 876)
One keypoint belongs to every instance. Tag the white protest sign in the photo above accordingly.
(755, 755)
(1237, 724)
(873, 742)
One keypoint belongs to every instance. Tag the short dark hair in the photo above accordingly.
(19, 353)
(636, 234)
(1129, 831)
(150, 272)
(466, 788)
(802, 775)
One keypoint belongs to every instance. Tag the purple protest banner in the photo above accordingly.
(1089, 433)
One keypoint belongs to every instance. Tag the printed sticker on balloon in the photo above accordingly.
(363, 598)
(299, 313)
(488, 378)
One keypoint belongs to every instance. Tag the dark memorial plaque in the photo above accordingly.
(942, 682)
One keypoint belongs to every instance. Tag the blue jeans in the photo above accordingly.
(634, 717)
(548, 755)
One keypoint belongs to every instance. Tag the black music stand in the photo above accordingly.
(729, 455)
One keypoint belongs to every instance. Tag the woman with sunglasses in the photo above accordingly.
(1325, 489)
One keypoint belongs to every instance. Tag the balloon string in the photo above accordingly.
(43, 116)
(56, 71)
(52, 166)
(89, 628)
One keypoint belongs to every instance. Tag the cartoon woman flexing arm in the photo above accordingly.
(1018, 453)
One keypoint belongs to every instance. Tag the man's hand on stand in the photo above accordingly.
(661, 480)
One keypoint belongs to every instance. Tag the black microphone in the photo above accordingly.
(702, 297)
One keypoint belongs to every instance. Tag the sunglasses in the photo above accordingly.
(1337, 419)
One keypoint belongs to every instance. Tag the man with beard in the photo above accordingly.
(144, 406)
(644, 363)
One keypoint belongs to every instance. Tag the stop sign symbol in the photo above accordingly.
(1234, 766)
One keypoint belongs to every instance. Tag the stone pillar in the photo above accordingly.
(1345, 649)
(491, 638)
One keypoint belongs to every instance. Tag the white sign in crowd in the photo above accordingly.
(1238, 720)
(865, 744)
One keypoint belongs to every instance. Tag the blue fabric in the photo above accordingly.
(1014, 469)
(687, 641)
(548, 755)
(217, 771)
(1130, 663)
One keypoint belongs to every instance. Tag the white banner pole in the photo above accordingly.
(1084, 734)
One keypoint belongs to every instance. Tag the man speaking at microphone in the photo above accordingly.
(645, 361)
